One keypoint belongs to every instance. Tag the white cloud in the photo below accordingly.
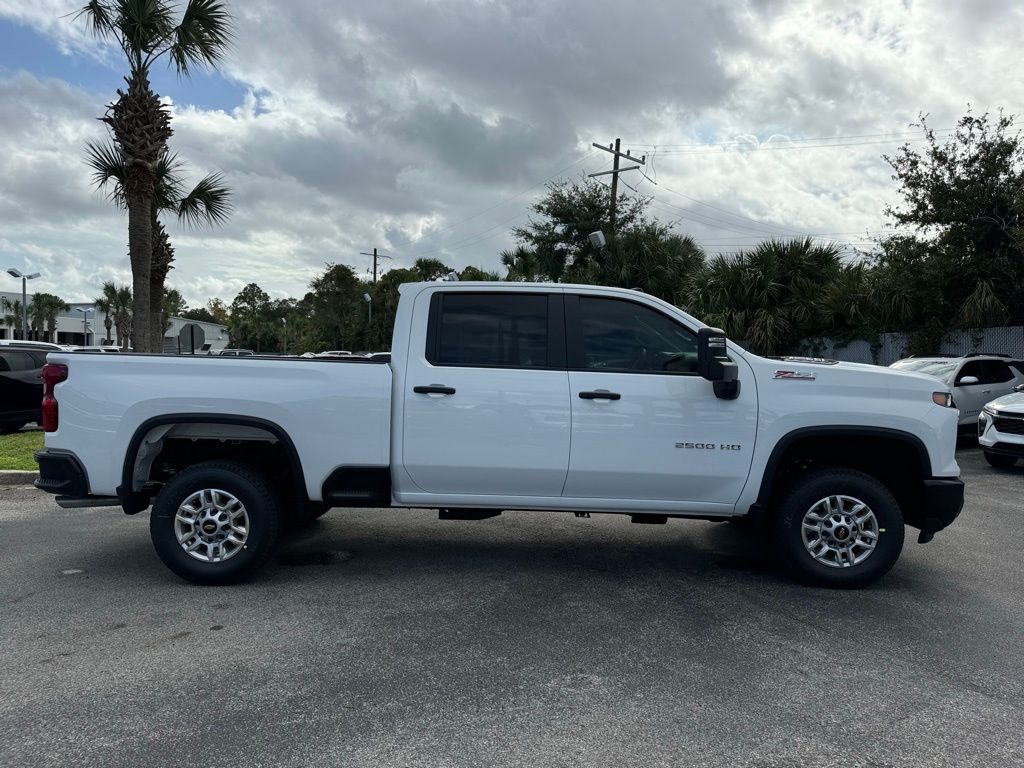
(425, 128)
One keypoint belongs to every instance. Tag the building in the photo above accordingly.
(84, 325)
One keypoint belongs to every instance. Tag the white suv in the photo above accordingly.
(975, 379)
(1001, 429)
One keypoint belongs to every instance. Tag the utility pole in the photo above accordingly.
(375, 257)
(615, 171)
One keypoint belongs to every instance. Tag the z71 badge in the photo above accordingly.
(798, 375)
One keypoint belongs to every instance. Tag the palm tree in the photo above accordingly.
(11, 315)
(146, 31)
(116, 303)
(103, 304)
(523, 266)
(8, 317)
(206, 203)
(44, 310)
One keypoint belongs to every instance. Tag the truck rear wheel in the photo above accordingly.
(839, 528)
(215, 523)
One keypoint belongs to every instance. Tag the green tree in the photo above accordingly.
(199, 314)
(147, 31)
(338, 308)
(648, 257)
(963, 196)
(115, 301)
(173, 305)
(768, 298)
(11, 315)
(558, 233)
(250, 323)
(44, 309)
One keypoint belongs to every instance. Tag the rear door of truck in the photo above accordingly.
(486, 393)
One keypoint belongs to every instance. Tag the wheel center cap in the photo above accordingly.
(209, 527)
(841, 533)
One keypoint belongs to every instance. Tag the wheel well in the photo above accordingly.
(162, 448)
(897, 462)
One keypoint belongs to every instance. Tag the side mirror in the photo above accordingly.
(966, 381)
(1019, 388)
(713, 363)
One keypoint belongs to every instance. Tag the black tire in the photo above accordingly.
(261, 505)
(815, 486)
(999, 461)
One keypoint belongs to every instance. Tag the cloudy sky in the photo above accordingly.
(427, 128)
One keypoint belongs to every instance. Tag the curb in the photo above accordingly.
(17, 477)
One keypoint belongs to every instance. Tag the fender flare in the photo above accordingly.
(832, 430)
(135, 501)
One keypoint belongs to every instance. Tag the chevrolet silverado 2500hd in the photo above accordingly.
(504, 396)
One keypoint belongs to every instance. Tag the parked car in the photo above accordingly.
(34, 345)
(336, 353)
(234, 353)
(975, 379)
(505, 396)
(21, 383)
(1001, 429)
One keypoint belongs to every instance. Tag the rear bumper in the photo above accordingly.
(943, 500)
(62, 474)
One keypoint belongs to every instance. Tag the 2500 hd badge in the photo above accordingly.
(711, 446)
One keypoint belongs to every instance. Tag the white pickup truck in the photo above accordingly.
(509, 396)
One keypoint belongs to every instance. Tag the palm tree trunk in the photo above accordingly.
(156, 326)
(140, 250)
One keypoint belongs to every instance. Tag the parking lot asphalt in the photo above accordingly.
(388, 637)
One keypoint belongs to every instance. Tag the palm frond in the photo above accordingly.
(108, 168)
(99, 17)
(143, 24)
(209, 202)
(202, 36)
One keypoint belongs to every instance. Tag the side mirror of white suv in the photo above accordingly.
(966, 381)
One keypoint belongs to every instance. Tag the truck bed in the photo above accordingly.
(337, 411)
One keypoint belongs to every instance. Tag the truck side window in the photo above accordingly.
(622, 335)
(973, 368)
(996, 372)
(492, 330)
(19, 361)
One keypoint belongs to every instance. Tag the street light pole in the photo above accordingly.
(24, 298)
(85, 324)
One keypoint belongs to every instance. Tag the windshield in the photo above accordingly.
(940, 369)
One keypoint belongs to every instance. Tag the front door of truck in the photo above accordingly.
(486, 396)
(645, 426)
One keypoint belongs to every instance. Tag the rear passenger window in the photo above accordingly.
(995, 372)
(490, 330)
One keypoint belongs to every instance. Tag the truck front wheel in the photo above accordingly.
(839, 528)
(215, 523)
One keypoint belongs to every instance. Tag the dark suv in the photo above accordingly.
(21, 385)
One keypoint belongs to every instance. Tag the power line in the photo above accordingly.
(896, 135)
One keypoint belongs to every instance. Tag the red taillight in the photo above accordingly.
(53, 374)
